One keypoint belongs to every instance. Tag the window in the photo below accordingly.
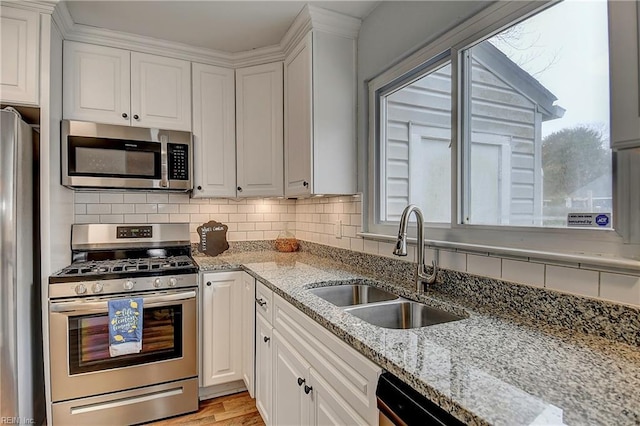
(535, 138)
(416, 133)
(499, 130)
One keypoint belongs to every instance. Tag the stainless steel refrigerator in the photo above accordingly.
(21, 376)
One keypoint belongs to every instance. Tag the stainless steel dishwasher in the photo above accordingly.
(400, 405)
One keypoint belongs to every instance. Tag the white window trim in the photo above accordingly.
(619, 248)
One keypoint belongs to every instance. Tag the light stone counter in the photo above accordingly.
(484, 369)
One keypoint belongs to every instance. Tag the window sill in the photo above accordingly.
(583, 261)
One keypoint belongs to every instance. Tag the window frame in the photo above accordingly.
(597, 246)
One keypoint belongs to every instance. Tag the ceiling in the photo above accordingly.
(227, 26)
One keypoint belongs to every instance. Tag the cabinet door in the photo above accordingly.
(160, 92)
(291, 391)
(328, 408)
(19, 41)
(248, 331)
(298, 136)
(625, 73)
(264, 375)
(221, 328)
(214, 132)
(259, 130)
(96, 83)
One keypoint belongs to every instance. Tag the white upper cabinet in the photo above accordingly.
(624, 42)
(116, 86)
(298, 109)
(96, 82)
(160, 92)
(214, 132)
(320, 116)
(19, 46)
(259, 127)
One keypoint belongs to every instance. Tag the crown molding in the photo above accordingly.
(44, 6)
(309, 18)
(313, 18)
(333, 22)
(263, 55)
(62, 19)
(299, 28)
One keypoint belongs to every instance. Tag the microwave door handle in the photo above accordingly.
(164, 161)
(92, 307)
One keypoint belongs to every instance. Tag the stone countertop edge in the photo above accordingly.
(387, 348)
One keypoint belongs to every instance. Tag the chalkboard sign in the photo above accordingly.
(213, 238)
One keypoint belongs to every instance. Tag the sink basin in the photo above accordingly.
(402, 314)
(347, 295)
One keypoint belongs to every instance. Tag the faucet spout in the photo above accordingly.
(401, 246)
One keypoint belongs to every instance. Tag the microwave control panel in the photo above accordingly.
(178, 161)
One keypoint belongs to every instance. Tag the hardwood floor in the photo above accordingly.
(236, 409)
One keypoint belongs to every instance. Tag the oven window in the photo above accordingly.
(89, 340)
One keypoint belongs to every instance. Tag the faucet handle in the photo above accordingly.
(431, 278)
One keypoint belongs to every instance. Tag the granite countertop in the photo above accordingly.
(484, 369)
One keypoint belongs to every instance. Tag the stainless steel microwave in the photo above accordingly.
(109, 156)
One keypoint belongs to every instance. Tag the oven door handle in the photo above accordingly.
(148, 302)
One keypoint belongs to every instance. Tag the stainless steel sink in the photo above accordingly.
(356, 294)
(402, 314)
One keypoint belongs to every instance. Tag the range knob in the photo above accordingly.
(128, 285)
(97, 288)
(157, 282)
(80, 289)
(172, 282)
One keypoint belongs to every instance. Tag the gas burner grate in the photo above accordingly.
(94, 267)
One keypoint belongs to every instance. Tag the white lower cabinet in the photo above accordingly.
(327, 406)
(291, 393)
(305, 375)
(221, 351)
(248, 332)
(263, 377)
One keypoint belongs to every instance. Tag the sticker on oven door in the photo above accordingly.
(589, 220)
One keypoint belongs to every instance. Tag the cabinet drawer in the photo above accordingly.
(352, 375)
(264, 301)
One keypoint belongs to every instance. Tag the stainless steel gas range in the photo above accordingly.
(147, 262)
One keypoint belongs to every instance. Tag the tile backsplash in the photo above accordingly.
(336, 221)
(247, 219)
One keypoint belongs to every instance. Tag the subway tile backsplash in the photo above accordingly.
(247, 219)
(316, 220)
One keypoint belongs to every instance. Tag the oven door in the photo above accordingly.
(79, 343)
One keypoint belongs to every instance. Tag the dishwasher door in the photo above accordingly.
(401, 405)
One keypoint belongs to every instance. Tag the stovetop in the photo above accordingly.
(120, 259)
(93, 268)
